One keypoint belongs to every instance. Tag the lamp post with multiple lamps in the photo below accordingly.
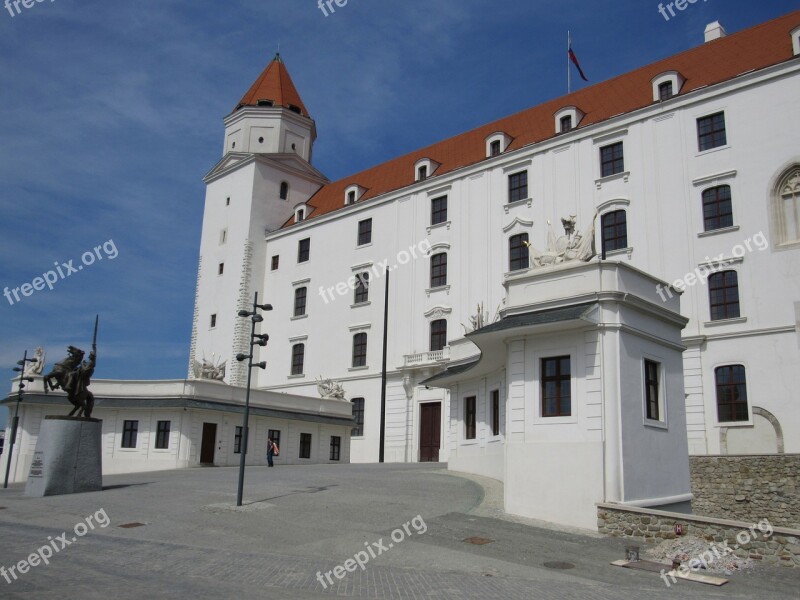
(255, 340)
(15, 423)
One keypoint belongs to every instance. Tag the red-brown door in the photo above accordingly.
(430, 431)
(207, 443)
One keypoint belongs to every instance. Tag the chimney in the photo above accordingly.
(715, 31)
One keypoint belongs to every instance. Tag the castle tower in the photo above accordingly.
(264, 174)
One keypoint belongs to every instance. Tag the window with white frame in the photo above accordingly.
(653, 395)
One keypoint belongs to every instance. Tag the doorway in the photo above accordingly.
(208, 443)
(430, 431)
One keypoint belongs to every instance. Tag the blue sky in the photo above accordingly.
(112, 113)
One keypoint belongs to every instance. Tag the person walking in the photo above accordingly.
(272, 450)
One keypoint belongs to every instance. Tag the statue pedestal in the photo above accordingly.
(68, 458)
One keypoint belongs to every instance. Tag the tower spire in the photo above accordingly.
(274, 87)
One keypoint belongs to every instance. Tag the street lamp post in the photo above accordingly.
(255, 340)
(15, 423)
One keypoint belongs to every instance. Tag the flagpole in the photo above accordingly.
(569, 46)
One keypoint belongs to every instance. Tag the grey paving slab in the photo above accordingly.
(301, 521)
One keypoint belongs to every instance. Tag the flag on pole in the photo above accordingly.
(574, 60)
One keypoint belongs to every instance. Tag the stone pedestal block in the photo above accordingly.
(68, 457)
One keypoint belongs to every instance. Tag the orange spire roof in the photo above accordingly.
(276, 86)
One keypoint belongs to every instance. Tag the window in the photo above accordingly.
(439, 270)
(439, 210)
(518, 252)
(228, 201)
(298, 357)
(651, 391)
(723, 290)
(300, 301)
(494, 399)
(213, 321)
(711, 131)
(300, 215)
(665, 91)
(788, 209)
(336, 447)
(275, 434)
(494, 148)
(303, 250)
(612, 160)
(305, 445)
(223, 236)
(130, 430)
(566, 123)
(422, 173)
(284, 190)
(438, 334)
(365, 232)
(358, 416)
(237, 440)
(615, 231)
(556, 387)
(518, 186)
(351, 197)
(221, 269)
(469, 418)
(162, 435)
(362, 288)
(360, 350)
(717, 208)
(275, 260)
(731, 393)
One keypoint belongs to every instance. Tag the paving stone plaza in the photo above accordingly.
(184, 538)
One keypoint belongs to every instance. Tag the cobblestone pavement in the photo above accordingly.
(298, 521)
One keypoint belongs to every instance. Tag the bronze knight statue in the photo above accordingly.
(73, 375)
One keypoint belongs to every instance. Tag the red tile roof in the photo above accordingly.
(713, 62)
(274, 84)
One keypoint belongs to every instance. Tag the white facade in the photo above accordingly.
(660, 189)
(204, 418)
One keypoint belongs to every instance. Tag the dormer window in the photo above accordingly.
(300, 213)
(796, 41)
(424, 168)
(264, 102)
(497, 143)
(667, 85)
(568, 118)
(284, 190)
(296, 109)
(353, 193)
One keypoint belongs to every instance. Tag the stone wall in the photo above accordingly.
(756, 539)
(748, 488)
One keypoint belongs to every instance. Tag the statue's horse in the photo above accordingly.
(72, 376)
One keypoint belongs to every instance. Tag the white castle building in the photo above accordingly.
(512, 350)
(691, 163)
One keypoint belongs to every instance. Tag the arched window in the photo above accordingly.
(518, 257)
(731, 386)
(717, 208)
(438, 334)
(284, 190)
(298, 358)
(788, 208)
(723, 291)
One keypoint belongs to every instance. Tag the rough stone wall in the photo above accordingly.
(748, 488)
(747, 539)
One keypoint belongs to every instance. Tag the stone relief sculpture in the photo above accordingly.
(568, 247)
(330, 389)
(210, 369)
(36, 368)
(476, 321)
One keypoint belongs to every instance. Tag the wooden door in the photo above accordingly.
(430, 431)
(208, 443)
